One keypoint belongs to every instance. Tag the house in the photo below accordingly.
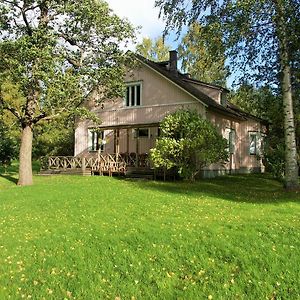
(130, 126)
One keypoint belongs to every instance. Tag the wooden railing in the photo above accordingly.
(103, 163)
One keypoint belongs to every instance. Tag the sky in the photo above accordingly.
(141, 13)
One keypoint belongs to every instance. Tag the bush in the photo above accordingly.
(188, 143)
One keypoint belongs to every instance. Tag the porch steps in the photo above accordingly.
(76, 171)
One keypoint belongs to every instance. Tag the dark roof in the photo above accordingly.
(183, 81)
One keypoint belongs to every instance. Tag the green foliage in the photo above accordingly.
(188, 143)
(250, 31)
(54, 138)
(155, 50)
(203, 54)
(63, 53)
(104, 238)
(7, 145)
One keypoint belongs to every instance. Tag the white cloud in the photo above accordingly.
(139, 13)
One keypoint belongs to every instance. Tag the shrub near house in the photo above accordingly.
(188, 143)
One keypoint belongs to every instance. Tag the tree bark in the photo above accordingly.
(291, 165)
(25, 169)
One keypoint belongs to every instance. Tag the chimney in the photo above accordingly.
(173, 61)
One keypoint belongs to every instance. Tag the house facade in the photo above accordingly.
(130, 126)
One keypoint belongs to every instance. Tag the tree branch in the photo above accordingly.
(29, 29)
(5, 106)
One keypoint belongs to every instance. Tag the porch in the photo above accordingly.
(102, 164)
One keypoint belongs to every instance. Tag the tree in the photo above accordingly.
(202, 54)
(54, 56)
(261, 38)
(188, 143)
(155, 50)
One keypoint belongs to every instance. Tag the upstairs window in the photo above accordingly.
(133, 95)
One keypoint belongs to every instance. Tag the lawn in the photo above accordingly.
(71, 237)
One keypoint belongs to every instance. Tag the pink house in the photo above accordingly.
(130, 126)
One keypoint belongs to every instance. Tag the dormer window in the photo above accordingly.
(133, 94)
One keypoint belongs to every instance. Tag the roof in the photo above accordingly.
(184, 82)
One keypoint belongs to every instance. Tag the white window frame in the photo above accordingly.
(230, 136)
(135, 85)
(257, 143)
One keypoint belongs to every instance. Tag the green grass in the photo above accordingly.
(235, 237)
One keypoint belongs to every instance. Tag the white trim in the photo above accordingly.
(205, 105)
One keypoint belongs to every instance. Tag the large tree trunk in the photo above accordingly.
(25, 169)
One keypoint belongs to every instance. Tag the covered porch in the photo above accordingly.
(120, 150)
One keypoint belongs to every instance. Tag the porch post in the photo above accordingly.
(117, 141)
(137, 148)
(127, 140)
(83, 166)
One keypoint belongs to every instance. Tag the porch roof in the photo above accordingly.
(126, 126)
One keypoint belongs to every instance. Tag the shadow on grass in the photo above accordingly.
(260, 189)
(9, 178)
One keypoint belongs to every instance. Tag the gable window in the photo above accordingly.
(95, 140)
(133, 95)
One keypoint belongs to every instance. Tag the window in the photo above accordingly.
(253, 144)
(141, 133)
(95, 140)
(133, 95)
(230, 137)
(231, 141)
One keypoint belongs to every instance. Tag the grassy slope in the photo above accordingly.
(98, 237)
